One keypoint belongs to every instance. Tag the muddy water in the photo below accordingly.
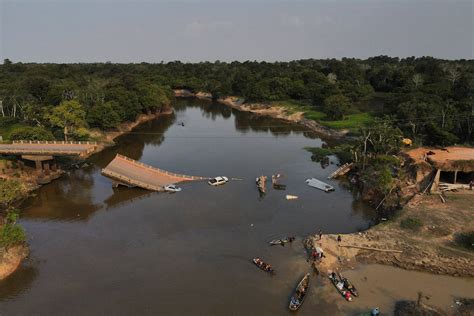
(383, 285)
(99, 250)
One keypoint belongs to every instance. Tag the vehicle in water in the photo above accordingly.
(282, 241)
(171, 188)
(339, 285)
(262, 265)
(218, 180)
(318, 184)
(300, 293)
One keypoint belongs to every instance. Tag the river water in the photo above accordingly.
(99, 250)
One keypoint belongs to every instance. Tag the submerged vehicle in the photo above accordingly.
(218, 180)
(340, 286)
(318, 184)
(262, 265)
(300, 293)
(171, 188)
(282, 241)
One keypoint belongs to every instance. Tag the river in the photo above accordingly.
(125, 251)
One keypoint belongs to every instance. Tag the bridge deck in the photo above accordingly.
(47, 148)
(132, 172)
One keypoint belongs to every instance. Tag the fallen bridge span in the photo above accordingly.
(126, 171)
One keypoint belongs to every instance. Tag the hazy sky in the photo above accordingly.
(198, 30)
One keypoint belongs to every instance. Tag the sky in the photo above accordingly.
(69, 31)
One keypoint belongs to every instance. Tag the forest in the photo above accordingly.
(429, 100)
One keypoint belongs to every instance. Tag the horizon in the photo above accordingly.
(100, 31)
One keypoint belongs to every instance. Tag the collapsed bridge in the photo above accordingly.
(126, 171)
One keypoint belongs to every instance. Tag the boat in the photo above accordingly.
(339, 285)
(291, 197)
(300, 293)
(349, 286)
(318, 184)
(261, 183)
(282, 241)
(262, 265)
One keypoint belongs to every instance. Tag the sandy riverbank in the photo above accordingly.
(429, 248)
(265, 110)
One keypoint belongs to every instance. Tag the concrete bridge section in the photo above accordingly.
(48, 148)
(125, 171)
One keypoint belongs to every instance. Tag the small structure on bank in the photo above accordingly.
(443, 169)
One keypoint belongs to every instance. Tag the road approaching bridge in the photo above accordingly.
(125, 171)
(47, 148)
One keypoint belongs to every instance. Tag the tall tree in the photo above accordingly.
(69, 115)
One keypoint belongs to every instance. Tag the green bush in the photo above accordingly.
(10, 191)
(411, 223)
(11, 233)
(31, 133)
(318, 153)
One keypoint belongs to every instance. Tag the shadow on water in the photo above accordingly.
(68, 198)
(19, 282)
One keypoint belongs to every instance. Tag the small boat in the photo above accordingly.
(300, 293)
(282, 241)
(340, 286)
(318, 184)
(261, 183)
(348, 286)
(262, 265)
(291, 197)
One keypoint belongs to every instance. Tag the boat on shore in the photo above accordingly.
(349, 286)
(300, 293)
(318, 184)
(262, 265)
(339, 285)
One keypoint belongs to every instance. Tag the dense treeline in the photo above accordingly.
(428, 99)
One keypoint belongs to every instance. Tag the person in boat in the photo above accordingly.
(333, 275)
(347, 295)
(269, 268)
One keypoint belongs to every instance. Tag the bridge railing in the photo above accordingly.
(54, 142)
(171, 174)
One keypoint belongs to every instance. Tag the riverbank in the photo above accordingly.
(265, 109)
(30, 179)
(10, 259)
(422, 238)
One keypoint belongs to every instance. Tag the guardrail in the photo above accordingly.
(54, 142)
(171, 174)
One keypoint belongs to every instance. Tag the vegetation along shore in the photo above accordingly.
(384, 104)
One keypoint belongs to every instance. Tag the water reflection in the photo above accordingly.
(69, 198)
(17, 283)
